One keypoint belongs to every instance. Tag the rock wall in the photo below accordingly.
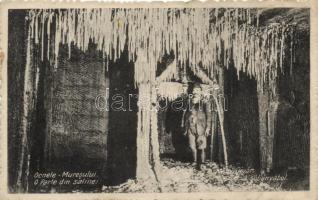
(284, 134)
(241, 119)
(16, 66)
(78, 130)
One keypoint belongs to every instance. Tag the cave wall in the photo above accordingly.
(285, 144)
(77, 129)
(291, 142)
(241, 119)
(121, 143)
(16, 67)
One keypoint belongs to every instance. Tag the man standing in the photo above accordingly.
(197, 124)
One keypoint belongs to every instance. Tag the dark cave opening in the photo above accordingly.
(121, 145)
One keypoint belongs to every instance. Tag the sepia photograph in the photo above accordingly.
(158, 100)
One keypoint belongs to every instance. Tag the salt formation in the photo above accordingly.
(205, 37)
(170, 90)
(207, 40)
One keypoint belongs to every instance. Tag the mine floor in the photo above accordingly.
(177, 176)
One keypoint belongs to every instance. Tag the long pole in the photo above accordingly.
(221, 119)
(213, 126)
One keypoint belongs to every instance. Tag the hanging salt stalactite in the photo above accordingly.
(198, 36)
(148, 161)
(31, 85)
(154, 139)
(170, 90)
(143, 130)
(291, 54)
(201, 37)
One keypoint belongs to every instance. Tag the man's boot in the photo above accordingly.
(194, 156)
(202, 156)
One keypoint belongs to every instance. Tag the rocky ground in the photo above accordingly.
(179, 176)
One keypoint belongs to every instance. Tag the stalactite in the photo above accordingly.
(201, 38)
(157, 31)
(291, 56)
(31, 81)
(154, 139)
(143, 165)
(170, 90)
